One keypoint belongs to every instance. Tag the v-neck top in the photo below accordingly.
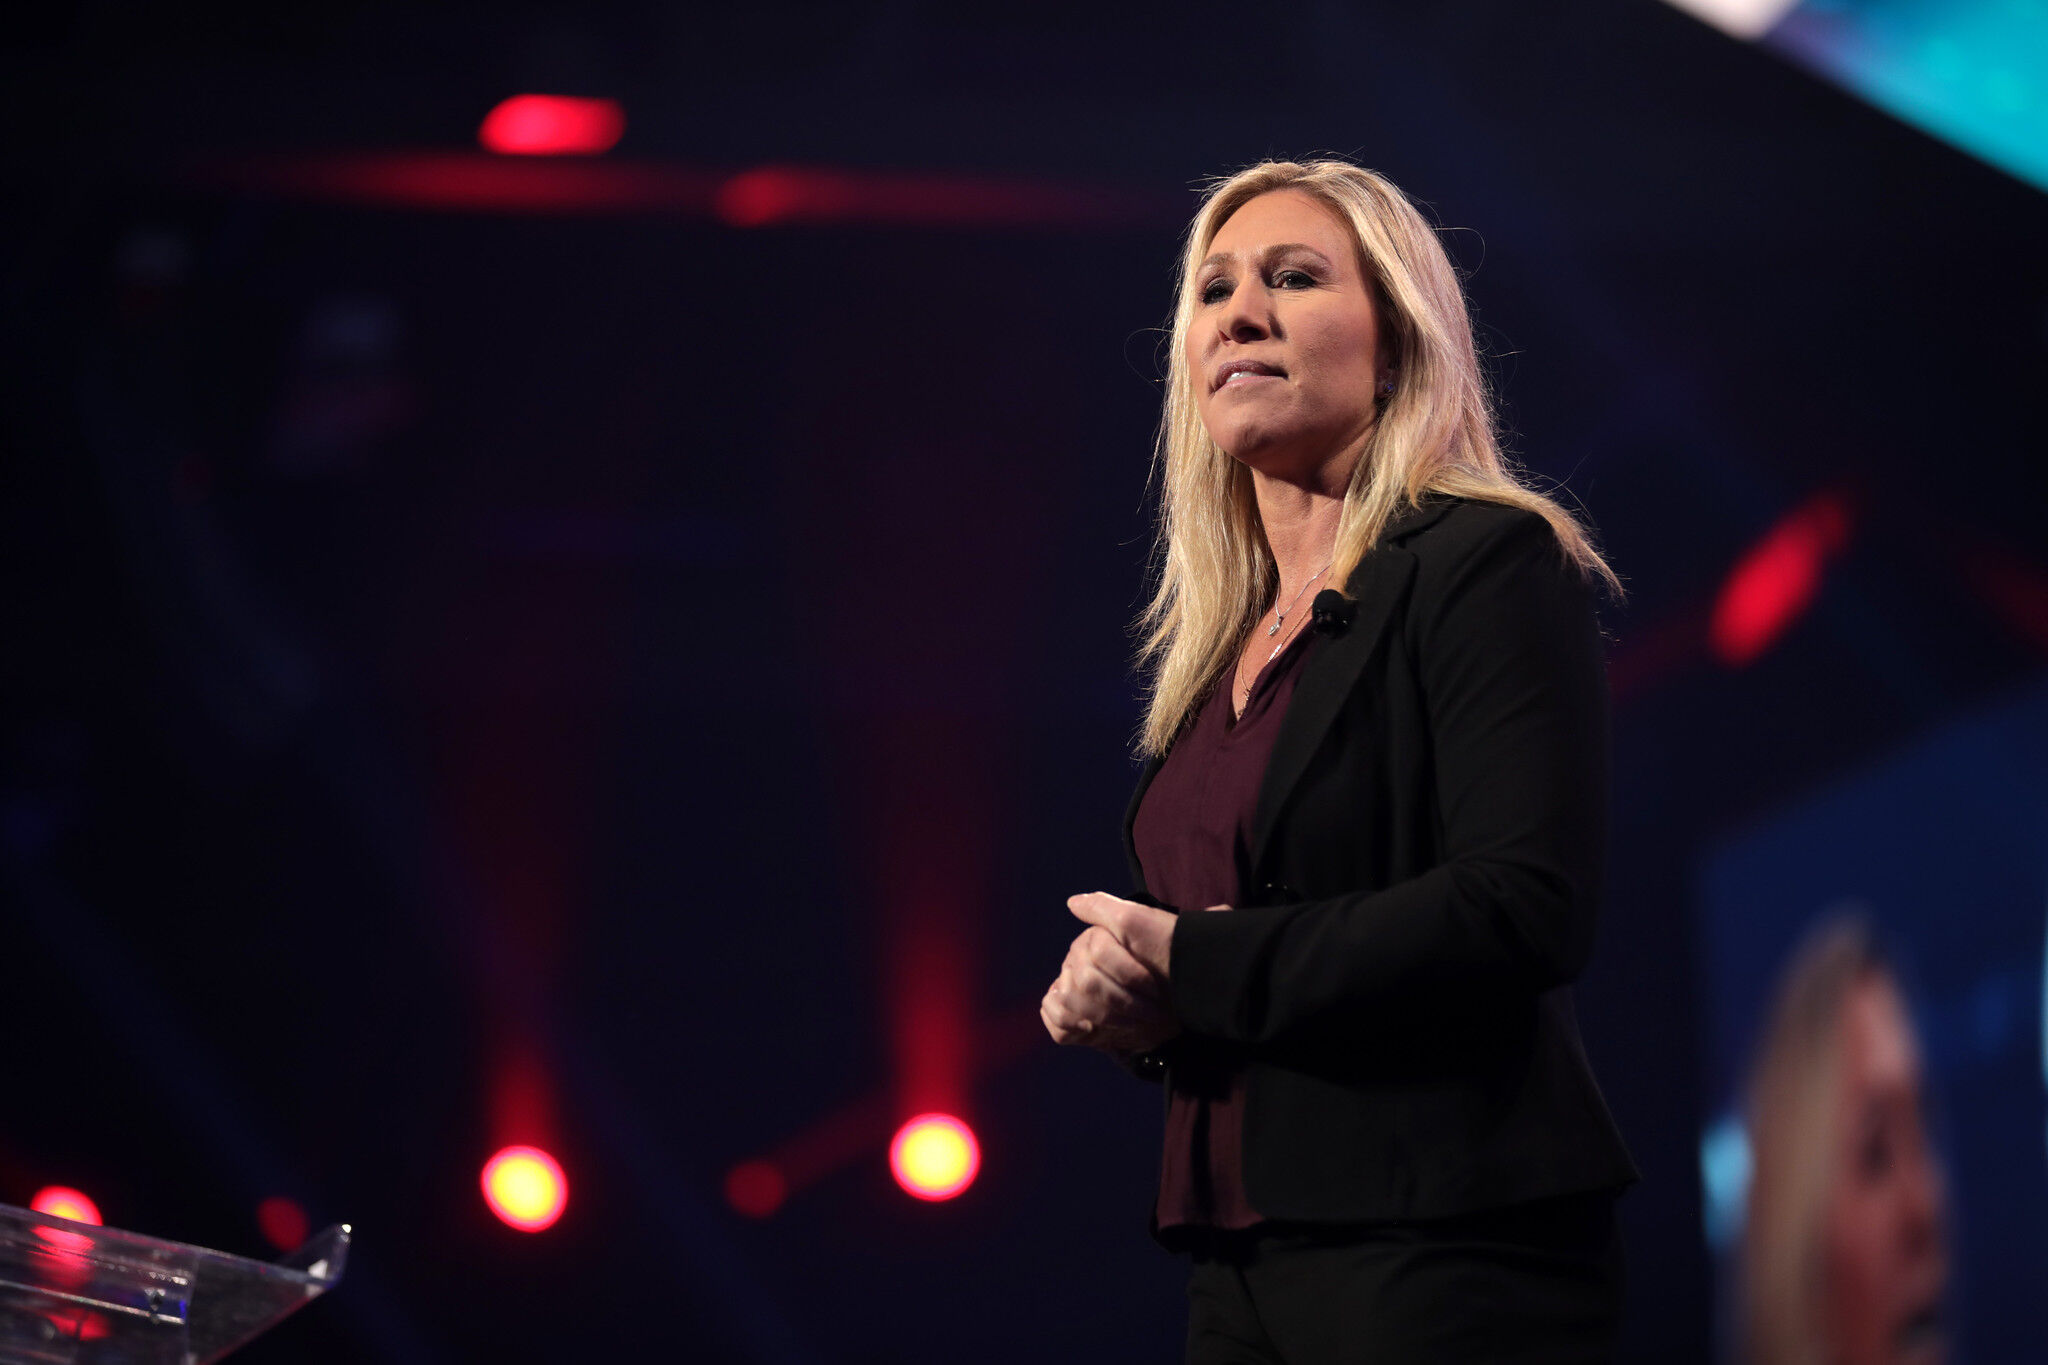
(1193, 837)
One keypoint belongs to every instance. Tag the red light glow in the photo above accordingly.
(524, 171)
(767, 196)
(755, 1188)
(934, 1156)
(61, 1201)
(552, 125)
(525, 1187)
(1774, 583)
(283, 1223)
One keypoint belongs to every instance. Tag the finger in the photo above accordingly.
(1097, 907)
(1050, 1018)
(1064, 1013)
(1054, 1024)
(1103, 997)
(1089, 945)
(1076, 994)
(1095, 993)
(1105, 951)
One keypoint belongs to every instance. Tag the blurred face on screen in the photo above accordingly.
(1885, 1254)
(1284, 353)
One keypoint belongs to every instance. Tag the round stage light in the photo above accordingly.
(61, 1201)
(934, 1156)
(283, 1223)
(525, 1187)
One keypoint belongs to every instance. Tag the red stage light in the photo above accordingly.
(770, 194)
(552, 125)
(525, 1187)
(1777, 579)
(755, 1188)
(61, 1201)
(283, 1223)
(934, 1156)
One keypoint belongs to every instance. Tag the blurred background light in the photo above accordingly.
(525, 1187)
(756, 1188)
(283, 1223)
(1774, 583)
(1743, 18)
(934, 1156)
(1971, 72)
(1724, 1180)
(61, 1201)
(552, 125)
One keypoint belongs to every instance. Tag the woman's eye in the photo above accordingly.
(1215, 291)
(1294, 279)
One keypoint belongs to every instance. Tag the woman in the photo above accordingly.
(1845, 1243)
(1377, 743)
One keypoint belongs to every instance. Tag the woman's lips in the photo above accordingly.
(1240, 372)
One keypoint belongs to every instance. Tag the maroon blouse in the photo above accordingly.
(1193, 837)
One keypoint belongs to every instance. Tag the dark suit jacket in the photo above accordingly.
(1428, 853)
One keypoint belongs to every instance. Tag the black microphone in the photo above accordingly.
(1331, 611)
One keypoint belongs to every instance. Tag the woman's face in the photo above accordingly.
(1284, 350)
(1886, 1259)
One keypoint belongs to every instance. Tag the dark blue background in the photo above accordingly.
(432, 637)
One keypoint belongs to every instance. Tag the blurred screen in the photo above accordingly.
(1941, 851)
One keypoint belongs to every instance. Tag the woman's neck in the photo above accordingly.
(1301, 529)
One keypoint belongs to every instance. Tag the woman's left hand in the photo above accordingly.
(1111, 995)
(1146, 931)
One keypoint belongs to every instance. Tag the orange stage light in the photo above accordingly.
(934, 1156)
(525, 1187)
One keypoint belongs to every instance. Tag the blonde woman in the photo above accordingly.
(1367, 845)
(1845, 1245)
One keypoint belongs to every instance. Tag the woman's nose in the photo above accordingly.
(1245, 318)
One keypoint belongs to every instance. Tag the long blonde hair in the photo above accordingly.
(1216, 573)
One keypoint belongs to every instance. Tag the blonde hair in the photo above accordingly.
(1795, 1086)
(1216, 573)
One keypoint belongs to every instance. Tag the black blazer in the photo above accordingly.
(1428, 850)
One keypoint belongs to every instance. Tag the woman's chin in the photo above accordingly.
(1292, 463)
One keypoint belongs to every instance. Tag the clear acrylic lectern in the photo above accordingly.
(73, 1294)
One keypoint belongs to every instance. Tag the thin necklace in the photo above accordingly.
(1278, 619)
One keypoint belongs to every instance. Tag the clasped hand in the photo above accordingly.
(1111, 991)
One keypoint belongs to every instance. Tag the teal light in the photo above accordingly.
(1972, 72)
(1724, 1180)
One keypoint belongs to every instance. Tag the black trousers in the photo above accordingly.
(1536, 1282)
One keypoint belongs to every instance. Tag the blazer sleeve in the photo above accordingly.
(1515, 693)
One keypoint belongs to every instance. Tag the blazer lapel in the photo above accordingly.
(1375, 587)
(1326, 679)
